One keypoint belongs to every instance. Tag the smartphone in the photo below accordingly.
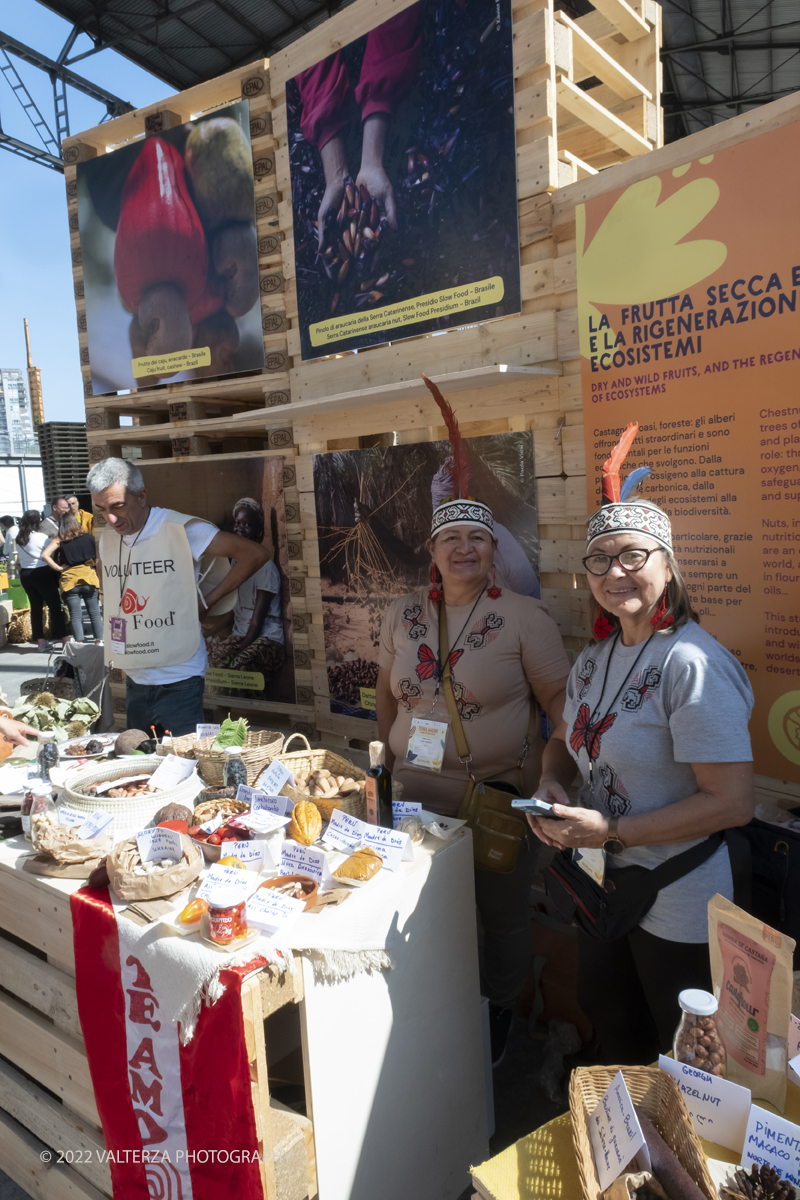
(538, 808)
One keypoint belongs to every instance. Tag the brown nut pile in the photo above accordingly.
(324, 785)
(761, 1183)
(698, 1044)
(122, 793)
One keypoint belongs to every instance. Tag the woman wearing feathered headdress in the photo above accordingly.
(502, 654)
(656, 720)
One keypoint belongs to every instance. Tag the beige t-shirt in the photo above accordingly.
(507, 648)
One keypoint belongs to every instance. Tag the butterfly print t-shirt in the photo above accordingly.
(687, 701)
(509, 646)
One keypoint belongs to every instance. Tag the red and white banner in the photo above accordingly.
(178, 1120)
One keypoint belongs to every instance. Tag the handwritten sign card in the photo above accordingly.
(157, 844)
(304, 860)
(270, 912)
(260, 822)
(173, 770)
(405, 808)
(253, 854)
(392, 845)
(95, 825)
(68, 816)
(719, 1109)
(275, 776)
(258, 800)
(245, 882)
(206, 730)
(345, 832)
(772, 1140)
(213, 825)
(616, 1134)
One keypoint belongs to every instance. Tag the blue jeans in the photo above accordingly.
(87, 593)
(177, 706)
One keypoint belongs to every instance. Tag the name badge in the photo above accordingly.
(426, 743)
(118, 625)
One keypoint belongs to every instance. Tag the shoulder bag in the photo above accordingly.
(498, 830)
(627, 894)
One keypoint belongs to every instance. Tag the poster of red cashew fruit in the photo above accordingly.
(170, 255)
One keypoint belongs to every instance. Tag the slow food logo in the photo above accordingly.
(131, 602)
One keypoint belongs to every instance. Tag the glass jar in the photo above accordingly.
(27, 803)
(234, 772)
(43, 810)
(46, 755)
(697, 1041)
(227, 918)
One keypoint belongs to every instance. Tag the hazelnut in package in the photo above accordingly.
(751, 970)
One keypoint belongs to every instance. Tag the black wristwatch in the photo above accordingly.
(613, 844)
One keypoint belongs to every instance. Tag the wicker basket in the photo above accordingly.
(129, 815)
(182, 746)
(257, 753)
(659, 1096)
(313, 760)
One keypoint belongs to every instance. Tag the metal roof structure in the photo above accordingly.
(723, 57)
(720, 57)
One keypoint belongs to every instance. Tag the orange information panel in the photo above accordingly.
(688, 286)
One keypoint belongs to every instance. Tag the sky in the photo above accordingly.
(35, 265)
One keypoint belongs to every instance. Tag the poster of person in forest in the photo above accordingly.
(374, 510)
(404, 188)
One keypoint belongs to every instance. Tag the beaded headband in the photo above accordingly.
(462, 512)
(620, 515)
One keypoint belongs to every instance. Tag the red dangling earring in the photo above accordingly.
(494, 591)
(662, 619)
(602, 626)
(435, 594)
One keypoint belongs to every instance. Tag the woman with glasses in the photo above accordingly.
(656, 719)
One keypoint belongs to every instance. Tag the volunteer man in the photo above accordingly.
(84, 519)
(149, 564)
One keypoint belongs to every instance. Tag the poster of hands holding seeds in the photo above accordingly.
(374, 509)
(403, 171)
(170, 260)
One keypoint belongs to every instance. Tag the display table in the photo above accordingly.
(393, 1060)
(542, 1166)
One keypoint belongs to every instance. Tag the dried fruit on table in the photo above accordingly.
(360, 866)
(173, 812)
(306, 823)
(193, 912)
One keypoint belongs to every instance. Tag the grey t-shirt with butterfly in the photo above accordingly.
(686, 700)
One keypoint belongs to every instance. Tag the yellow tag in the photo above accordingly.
(367, 698)
(407, 312)
(251, 681)
(169, 364)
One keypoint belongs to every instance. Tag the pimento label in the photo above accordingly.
(744, 1001)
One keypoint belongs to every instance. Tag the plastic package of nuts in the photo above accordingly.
(696, 1040)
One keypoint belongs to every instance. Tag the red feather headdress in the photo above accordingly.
(613, 464)
(459, 472)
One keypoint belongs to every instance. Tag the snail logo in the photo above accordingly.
(131, 602)
(784, 725)
(741, 976)
(163, 1181)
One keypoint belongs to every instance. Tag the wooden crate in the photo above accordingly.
(46, 1096)
(564, 134)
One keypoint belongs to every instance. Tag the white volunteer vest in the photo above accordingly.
(151, 586)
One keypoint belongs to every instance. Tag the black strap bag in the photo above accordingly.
(627, 894)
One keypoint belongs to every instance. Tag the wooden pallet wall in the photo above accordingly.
(587, 96)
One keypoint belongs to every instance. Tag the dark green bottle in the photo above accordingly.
(379, 788)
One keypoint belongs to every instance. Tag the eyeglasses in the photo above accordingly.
(629, 560)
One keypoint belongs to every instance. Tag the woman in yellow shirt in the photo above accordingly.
(73, 554)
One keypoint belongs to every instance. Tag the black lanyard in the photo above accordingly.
(443, 663)
(592, 718)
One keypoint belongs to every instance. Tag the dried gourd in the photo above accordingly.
(173, 812)
(306, 823)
